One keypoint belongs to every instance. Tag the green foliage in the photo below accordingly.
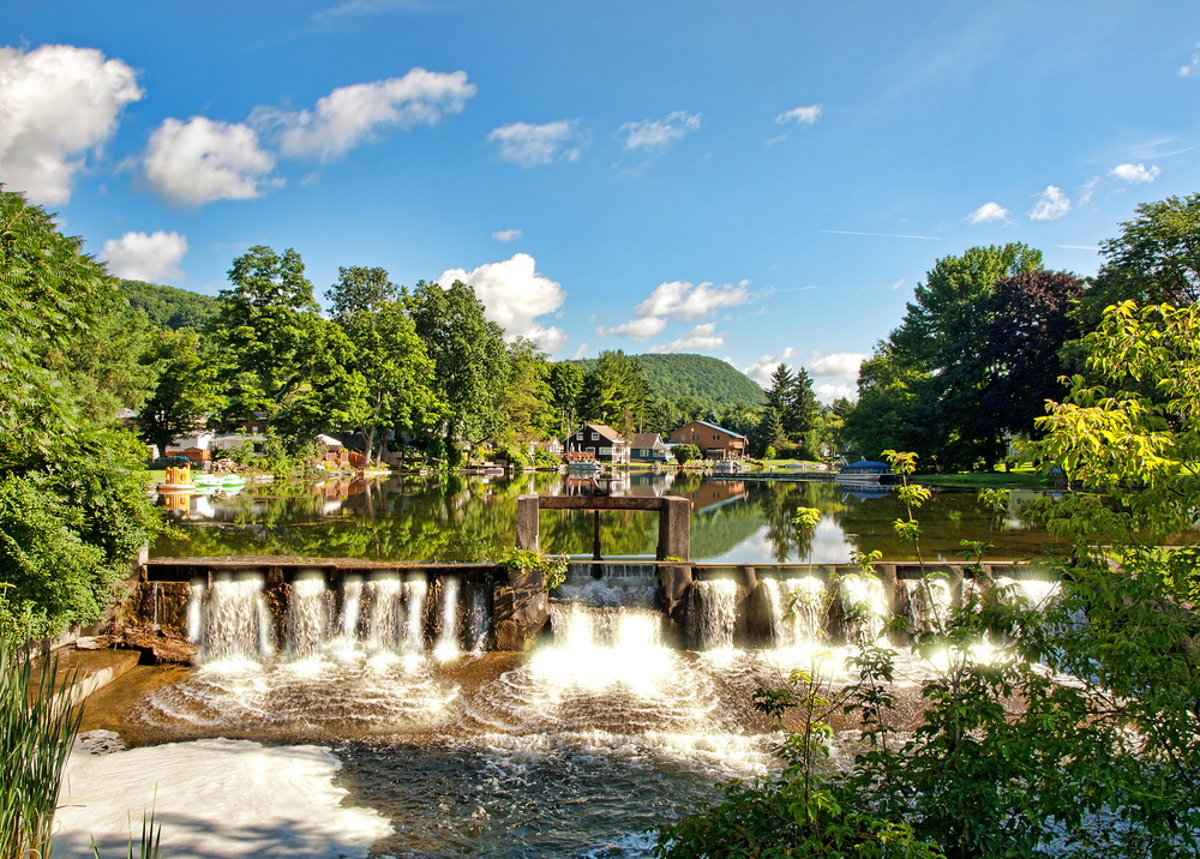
(265, 333)
(73, 507)
(708, 384)
(168, 306)
(37, 730)
(553, 568)
(687, 452)
(186, 391)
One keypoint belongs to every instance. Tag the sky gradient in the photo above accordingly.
(760, 182)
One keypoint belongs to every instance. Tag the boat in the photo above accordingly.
(585, 468)
(867, 473)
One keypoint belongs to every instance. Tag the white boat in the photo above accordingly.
(866, 472)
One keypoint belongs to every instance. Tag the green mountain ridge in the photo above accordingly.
(672, 376)
(169, 306)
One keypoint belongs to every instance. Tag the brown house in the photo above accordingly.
(604, 444)
(716, 442)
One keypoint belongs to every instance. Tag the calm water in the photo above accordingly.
(457, 518)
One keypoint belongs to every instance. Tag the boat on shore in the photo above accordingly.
(867, 473)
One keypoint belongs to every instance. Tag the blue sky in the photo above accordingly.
(759, 182)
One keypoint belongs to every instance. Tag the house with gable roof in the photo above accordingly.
(716, 442)
(599, 442)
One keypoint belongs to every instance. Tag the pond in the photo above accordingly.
(473, 518)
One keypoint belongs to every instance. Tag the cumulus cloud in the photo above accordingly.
(640, 330)
(1135, 174)
(761, 370)
(513, 296)
(154, 257)
(703, 336)
(679, 300)
(656, 133)
(1051, 204)
(1192, 68)
(684, 300)
(195, 162)
(531, 145)
(805, 115)
(58, 104)
(988, 212)
(507, 235)
(838, 364)
(352, 115)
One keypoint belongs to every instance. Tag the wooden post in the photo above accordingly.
(596, 535)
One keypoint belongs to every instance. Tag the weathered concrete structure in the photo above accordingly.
(674, 519)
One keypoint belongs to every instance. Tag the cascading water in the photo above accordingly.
(478, 620)
(352, 587)
(415, 591)
(235, 621)
(306, 617)
(716, 615)
(447, 643)
(797, 609)
(864, 607)
(195, 615)
(928, 603)
(384, 612)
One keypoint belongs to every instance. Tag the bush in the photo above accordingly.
(685, 453)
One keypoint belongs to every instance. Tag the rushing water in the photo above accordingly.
(473, 518)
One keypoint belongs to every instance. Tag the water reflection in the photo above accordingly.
(472, 518)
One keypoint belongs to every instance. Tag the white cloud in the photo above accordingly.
(684, 300)
(362, 8)
(531, 145)
(806, 115)
(703, 336)
(1135, 173)
(155, 257)
(1051, 204)
(198, 161)
(989, 211)
(514, 295)
(761, 370)
(507, 235)
(828, 392)
(680, 300)
(352, 115)
(838, 365)
(1193, 67)
(58, 104)
(640, 330)
(657, 133)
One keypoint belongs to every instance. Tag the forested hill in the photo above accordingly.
(169, 307)
(710, 380)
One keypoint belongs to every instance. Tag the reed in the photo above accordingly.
(38, 724)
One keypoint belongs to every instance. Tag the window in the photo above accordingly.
(595, 436)
(579, 436)
(606, 451)
(716, 437)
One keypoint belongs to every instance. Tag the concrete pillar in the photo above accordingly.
(527, 522)
(674, 528)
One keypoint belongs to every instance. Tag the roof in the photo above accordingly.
(718, 429)
(645, 440)
(604, 430)
(867, 465)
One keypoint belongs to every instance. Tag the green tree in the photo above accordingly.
(381, 378)
(73, 507)
(1156, 259)
(616, 393)
(469, 356)
(185, 394)
(566, 384)
(264, 331)
(528, 400)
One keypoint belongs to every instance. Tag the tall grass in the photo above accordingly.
(38, 725)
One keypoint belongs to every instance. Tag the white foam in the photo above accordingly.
(214, 798)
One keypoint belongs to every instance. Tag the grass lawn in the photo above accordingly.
(995, 479)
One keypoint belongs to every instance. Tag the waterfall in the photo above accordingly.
(383, 616)
(306, 616)
(797, 609)
(236, 623)
(447, 643)
(352, 587)
(195, 616)
(716, 615)
(415, 591)
(929, 602)
(864, 606)
(478, 620)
